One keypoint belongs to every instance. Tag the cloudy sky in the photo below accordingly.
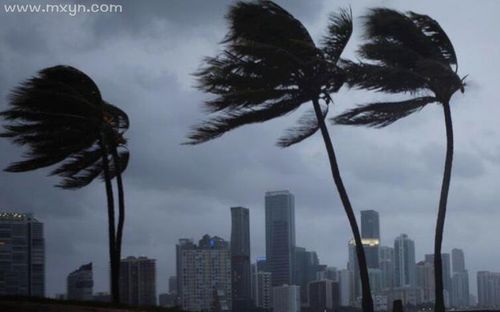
(142, 60)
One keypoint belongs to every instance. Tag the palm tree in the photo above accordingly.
(62, 119)
(407, 53)
(268, 68)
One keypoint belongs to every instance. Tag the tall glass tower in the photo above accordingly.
(280, 236)
(240, 259)
(22, 250)
(370, 225)
(404, 261)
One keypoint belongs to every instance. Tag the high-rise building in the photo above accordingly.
(263, 290)
(286, 298)
(306, 268)
(22, 255)
(370, 232)
(346, 281)
(240, 259)
(446, 264)
(138, 281)
(460, 289)
(167, 300)
(425, 280)
(370, 224)
(323, 295)
(369, 245)
(459, 280)
(280, 236)
(404, 261)
(172, 285)
(457, 260)
(488, 289)
(386, 263)
(203, 270)
(80, 284)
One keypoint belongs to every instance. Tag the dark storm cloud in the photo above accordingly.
(142, 60)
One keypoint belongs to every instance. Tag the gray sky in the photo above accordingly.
(142, 60)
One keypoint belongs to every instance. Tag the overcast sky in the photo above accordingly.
(142, 60)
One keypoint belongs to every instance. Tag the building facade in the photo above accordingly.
(80, 284)
(280, 236)
(202, 270)
(460, 293)
(240, 259)
(323, 295)
(22, 255)
(286, 298)
(138, 281)
(263, 290)
(488, 289)
(404, 262)
(386, 263)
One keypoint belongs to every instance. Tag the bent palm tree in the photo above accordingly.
(408, 53)
(60, 116)
(269, 67)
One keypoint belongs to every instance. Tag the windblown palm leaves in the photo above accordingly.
(61, 118)
(408, 53)
(268, 68)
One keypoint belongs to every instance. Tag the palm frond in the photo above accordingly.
(382, 114)
(391, 79)
(396, 27)
(307, 126)
(266, 22)
(234, 118)
(388, 53)
(59, 116)
(339, 33)
(431, 28)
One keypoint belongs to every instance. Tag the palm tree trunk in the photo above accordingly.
(367, 301)
(438, 239)
(121, 211)
(111, 223)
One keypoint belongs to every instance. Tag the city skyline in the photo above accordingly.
(185, 191)
(240, 214)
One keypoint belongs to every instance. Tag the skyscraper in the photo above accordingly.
(459, 280)
(446, 263)
(369, 245)
(488, 289)
(80, 284)
(425, 280)
(22, 254)
(370, 234)
(386, 263)
(280, 236)
(306, 268)
(203, 270)
(240, 259)
(286, 298)
(404, 261)
(138, 281)
(370, 225)
(323, 295)
(263, 290)
(457, 260)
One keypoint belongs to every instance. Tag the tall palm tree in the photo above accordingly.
(408, 53)
(268, 68)
(62, 119)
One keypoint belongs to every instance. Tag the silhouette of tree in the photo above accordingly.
(268, 68)
(408, 53)
(62, 119)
